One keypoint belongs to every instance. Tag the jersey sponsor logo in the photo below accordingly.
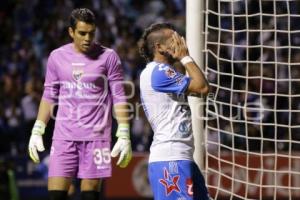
(78, 85)
(170, 182)
(184, 127)
(78, 64)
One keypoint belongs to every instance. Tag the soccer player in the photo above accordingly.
(84, 80)
(172, 171)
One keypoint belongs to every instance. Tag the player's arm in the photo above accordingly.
(115, 81)
(49, 98)
(45, 110)
(123, 144)
(198, 83)
(121, 113)
(36, 141)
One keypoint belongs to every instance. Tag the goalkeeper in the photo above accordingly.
(172, 171)
(84, 80)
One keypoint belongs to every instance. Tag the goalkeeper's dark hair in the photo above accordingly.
(146, 43)
(81, 14)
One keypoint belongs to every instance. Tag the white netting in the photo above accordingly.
(253, 127)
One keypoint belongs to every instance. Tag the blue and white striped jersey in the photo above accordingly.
(165, 104)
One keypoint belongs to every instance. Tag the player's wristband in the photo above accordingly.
(123, 131)
(38, 128)
(186, 59)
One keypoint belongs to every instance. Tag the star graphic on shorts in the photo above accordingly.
(170, 182)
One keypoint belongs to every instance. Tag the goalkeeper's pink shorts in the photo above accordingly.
(81, 159)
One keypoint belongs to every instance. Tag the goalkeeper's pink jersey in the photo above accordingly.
(84, 88)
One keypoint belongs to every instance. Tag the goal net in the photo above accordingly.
(252, 58)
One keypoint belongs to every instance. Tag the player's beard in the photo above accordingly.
(169, 57)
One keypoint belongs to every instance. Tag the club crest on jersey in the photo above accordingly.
(170, 73)
(77, 71)
(77, 74)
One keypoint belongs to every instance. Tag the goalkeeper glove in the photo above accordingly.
(122, 146)
(36, 140)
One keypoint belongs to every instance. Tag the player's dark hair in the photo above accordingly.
(81, 14)
(146, 43)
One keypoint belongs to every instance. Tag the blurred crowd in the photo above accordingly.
(30, 30)
(257, 107)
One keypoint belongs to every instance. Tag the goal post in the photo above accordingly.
(195, 43)
(252, 127)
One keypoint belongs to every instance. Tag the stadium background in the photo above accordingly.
(31, 29)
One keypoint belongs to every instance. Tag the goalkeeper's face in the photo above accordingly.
(83, 36)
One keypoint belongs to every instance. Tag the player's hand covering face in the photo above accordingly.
(122, 146)
(177, 46)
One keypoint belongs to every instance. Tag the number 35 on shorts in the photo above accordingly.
(102, 157)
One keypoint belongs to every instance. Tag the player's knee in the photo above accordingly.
(57, 195)
(90, 195)
(90, 185)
